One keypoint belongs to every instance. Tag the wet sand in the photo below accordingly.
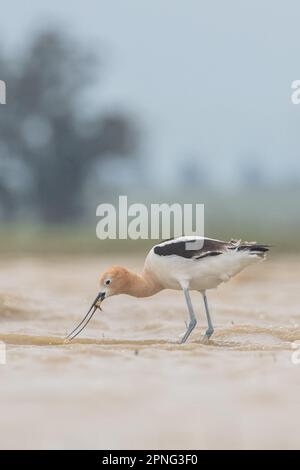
(126, 383)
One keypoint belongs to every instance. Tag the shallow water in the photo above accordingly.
(125, 382)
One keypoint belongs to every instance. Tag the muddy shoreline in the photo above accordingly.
(127, 381)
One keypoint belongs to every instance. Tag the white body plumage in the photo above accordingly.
(206, 272)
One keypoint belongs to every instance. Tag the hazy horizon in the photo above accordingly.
(208, 83)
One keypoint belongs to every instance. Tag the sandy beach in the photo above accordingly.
(126, 383)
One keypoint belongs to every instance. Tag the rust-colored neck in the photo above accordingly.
(142, 285)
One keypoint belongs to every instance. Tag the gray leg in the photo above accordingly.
(193, 320)
(210, 328)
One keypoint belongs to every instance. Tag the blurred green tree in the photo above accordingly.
(44, 129)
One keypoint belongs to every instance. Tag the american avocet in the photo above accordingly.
(185, 263)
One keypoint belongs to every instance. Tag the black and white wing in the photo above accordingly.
(200, 247)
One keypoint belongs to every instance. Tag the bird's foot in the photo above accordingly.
(182, 339)
(205, 339)
(207, 336)
(190, 328)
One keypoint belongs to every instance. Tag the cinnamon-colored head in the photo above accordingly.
(119, 280)
(116, 280)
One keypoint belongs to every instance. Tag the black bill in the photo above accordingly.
(88, 316)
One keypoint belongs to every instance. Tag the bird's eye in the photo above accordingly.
(107, 282)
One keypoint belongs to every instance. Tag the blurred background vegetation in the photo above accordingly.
(62, 153)
(49, 147)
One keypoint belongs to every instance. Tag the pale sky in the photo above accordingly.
(205, 77)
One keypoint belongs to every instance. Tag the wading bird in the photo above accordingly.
(184, 263)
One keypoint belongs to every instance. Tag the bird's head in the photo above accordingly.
(115, 280)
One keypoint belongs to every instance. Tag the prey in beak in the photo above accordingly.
(95, 305)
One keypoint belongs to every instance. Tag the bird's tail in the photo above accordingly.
(254, 248)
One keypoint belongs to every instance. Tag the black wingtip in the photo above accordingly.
(254, 248)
